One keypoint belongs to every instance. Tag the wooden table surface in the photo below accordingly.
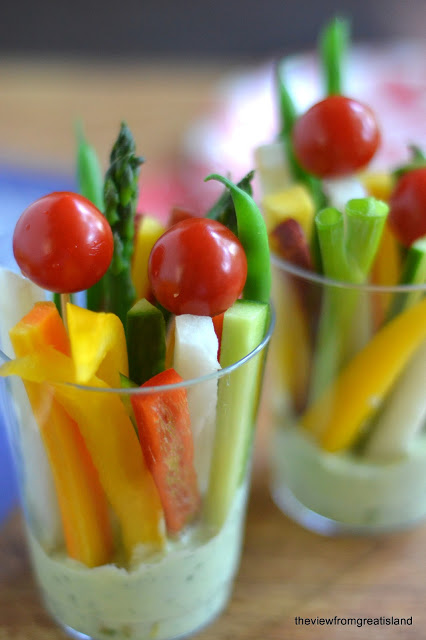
(285, 571)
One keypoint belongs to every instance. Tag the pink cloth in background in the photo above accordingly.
(390, 78)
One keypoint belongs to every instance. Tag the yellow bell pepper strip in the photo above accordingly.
(378, 184)
(149, 230)
(294, 342)
(294, 202)
(112, 443)
(386, 271)
(98, 345)
(336, 418)
(82, 502)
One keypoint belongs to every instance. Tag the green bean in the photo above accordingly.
(254, 238)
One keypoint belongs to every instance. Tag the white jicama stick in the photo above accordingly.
(340, 190)
(195, 355)
(18, 296)
(404, 414)
(272, 167)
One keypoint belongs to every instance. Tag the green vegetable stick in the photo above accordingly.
(414, 273)
(346, 259)
(90, 185)
(121, 194)
(146, 341)
(224, 210)
(244, 327)
(89, 173)
(365, 220)
(254, 238)
(333, 44)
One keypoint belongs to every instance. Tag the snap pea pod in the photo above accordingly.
(89, 173)
(223, 210)
(333, 44)
(90, 185)
(254, 238)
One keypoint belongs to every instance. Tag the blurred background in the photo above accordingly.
(192, 79)
(189, 29)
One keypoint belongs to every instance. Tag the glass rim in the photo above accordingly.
(317, 278)
(215, 375)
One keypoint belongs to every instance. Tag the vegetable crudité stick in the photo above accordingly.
(165, 434)
(333, 44)
(338, 415)
(120, 194)
(112, 443)
(89, 173)
(98, 345)
(82, 502)
(346, 258)
(289, 116)
(403, 414)
(244, 327)
(224, 210)
(254, 238)
(90, 185)
(414, 274)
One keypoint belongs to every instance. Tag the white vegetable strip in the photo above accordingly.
(404, 414)
(18, 296)
(272, 167)
(340, 190)
(195, 355)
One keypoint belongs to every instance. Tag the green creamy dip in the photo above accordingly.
(349, 489)
(166, 596)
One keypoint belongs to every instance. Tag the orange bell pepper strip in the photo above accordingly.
(338, 415)
(82, 502)
(111, 441)
(165, 434)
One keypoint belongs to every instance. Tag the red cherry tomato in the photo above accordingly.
(407, 215)
(197, 266)
(335, 137)
(63, 243)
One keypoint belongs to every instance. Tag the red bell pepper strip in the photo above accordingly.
(165, 434)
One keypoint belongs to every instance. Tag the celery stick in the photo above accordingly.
(348, 258)
(334, 314)
(414, 273)
(330, 227)
(365, 220)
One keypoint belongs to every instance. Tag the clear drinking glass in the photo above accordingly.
(163, 590)
(347, 393)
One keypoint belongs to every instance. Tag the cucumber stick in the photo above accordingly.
(414, 274)
(244, 327)
(146, 341)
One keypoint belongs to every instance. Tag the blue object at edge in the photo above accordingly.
(18, 188)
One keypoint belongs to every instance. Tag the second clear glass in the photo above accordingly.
(347, 395)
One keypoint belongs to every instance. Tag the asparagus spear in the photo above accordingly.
(120, 195)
